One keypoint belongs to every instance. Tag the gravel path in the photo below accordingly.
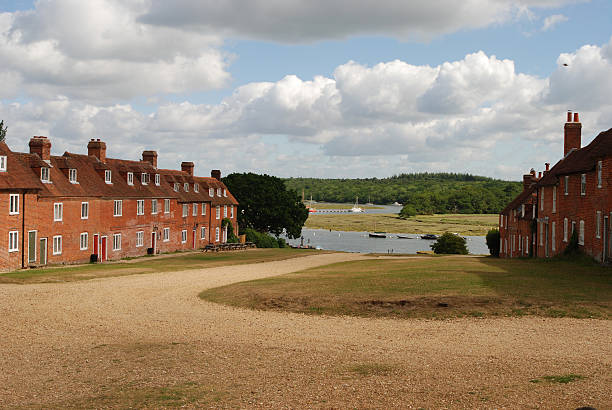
(149, 341)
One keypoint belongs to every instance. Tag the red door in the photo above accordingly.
(153, 238)
(103, 253)
(194, 239)
(95, 244)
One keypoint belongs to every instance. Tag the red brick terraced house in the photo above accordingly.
(573, 195)
(64, 209)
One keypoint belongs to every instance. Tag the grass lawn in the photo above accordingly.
(163, 263)
(440, 287)
(463, 224)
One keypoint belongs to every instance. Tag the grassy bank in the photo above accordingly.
(163, 263)
(433, 288)
(463, 224)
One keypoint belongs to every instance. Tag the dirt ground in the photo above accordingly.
(149, 341)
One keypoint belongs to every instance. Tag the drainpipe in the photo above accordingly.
(209, 221)
(23, 230)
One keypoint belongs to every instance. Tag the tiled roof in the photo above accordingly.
(522, 198)
(18, 175)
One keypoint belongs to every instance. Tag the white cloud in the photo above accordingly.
(551, 21)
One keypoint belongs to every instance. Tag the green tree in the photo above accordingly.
(450, 243)
(2, 131)
(266, 205)
(493, 242)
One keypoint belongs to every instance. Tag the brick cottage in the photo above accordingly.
(64, 209)
(572, 195)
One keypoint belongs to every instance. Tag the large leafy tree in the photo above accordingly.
(2, 131)
(266, 205)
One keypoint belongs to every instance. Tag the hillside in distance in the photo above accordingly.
(422, 193)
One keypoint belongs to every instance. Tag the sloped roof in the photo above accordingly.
(522, 198)
(18, 173)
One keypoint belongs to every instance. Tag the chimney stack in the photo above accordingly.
(528, 180)
(97, 148)
(187, 167)
(41, 146)
(150, 157)
(573, 131)
(216, 174)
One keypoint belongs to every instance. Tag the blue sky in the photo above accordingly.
(319, 88)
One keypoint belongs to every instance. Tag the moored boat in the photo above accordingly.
(377, 234)
(429, 236)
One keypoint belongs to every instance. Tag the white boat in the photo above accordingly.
(355, 207)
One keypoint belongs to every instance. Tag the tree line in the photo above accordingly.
(421, 193)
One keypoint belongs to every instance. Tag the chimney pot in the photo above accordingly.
(569, 116)
(540, 175)
(572, 135)
(547, 166)
(576, 119)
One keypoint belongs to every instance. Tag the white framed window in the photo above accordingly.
(44, 174)
(84, 241)
(195, 210)
(13, 204)
(196, 187)
(84, 210)
(183, 236)
(186, 187)
(211, 192)
(139, 239)
(520, 243)
(166, 206)
(118, 207)
(2, 163)
(583, 184)
(526, 245)
(598, 225)
(166, 234)
(157, 179)
(552, 236)
(144, 178)
(13, 245)
(185, 210)
(224, 192)
(140, 207)
(581, 233)
(542, 199)
(554, 205)
(108, 176)
(58, 211)
(176, 186)
(203, 232)
(566, 185)
(57, 245)
(72, 175)
(117, 242)
(203, 205)
(501, 221)
(219, 192)
(130, 178)
(232, 211)
(565, 226)
(217, 234)
(225, 211)
(154, 206)
(599, 171)
(541, 233)
(218, 212)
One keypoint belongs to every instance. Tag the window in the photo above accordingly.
(57, 245)
(573, 226)
(522, 211)
(117, 242)
(176, 186)
(144, 178)
(203, 232)
(501, 221)
(84, 241)
(140, 207)
(526, 245)
(217, 234)
(72, 175)
(554, 206)
(84, 210)
(183, 236)
(218, 191)
(186, 187)
(196, 187)
(2, 162)
(108, 176)
(225, 211)
(541, 234)
(565, 230)
(533, 210)
(552, 236)
(157, 179)
(13, 241)
(44, 174)
(583, 184)
(224, 192)
(154, 206)
(195, 210)
(203, 205)
(166, 234)
(218, 212)
(599, 169)
(58, 211)
(185, 210)
(232, 209)
(139, 239)
(566, 185)
(130, 178)
(211, 192)
(118, 207)
(13, 204)
(520, 243)
(542, 199)
(166, 206)
(581, 233)
(598, 225)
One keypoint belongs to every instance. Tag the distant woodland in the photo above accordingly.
(421, 193)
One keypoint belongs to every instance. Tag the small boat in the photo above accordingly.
(403, 236)
(377, 234)
(396, 204)
(429, 236)
(355, 207)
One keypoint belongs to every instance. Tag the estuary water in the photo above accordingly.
(360, 242)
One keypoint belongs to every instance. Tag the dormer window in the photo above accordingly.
(224, 192)
(186, 187)
(72, 175)
(130, 178)
(157, 179)
(44, 174)
(2, 163)
(196, 187)
(219, 192)
(144, 179)
(177, 186)
(211, 192)
(108, 176)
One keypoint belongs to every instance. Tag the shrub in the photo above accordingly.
(572, 247)
(281, 243)
(493, 242)
(260, 239)
(231, 238)
(408, 211)
(450, 243)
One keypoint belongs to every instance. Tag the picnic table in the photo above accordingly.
(228, 246)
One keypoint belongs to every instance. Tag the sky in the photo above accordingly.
(310, 88)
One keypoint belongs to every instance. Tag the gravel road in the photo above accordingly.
(149, 341)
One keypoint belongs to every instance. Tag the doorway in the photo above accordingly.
(153, 241)
(31, 247)
(606, 240)
(194, 239)
(43, 251)
(96, 245)
(103, 254)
